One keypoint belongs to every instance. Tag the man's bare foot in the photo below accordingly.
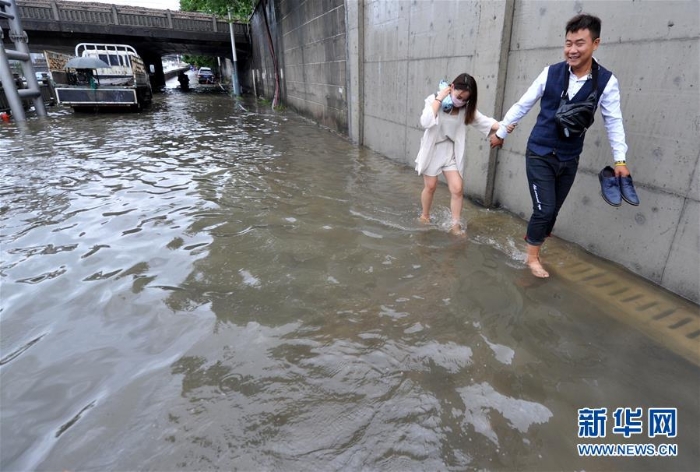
(537, 270)
(457, 230)
(424, 219)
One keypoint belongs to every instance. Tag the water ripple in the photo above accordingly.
(210, 286)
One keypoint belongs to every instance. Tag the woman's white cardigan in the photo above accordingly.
(430, 122)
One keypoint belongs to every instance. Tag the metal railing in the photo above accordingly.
(13, 95)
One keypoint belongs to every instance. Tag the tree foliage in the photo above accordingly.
(240, 9)
(200, 61)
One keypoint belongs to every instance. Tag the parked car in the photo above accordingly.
(205, 75)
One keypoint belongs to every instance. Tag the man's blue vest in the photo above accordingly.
(545, 138)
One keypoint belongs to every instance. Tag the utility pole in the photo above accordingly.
(10, 12)
(236, 86)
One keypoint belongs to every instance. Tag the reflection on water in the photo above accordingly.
(209, 285)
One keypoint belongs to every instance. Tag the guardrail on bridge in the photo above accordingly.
(106, 14)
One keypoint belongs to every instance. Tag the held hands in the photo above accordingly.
(497, 142)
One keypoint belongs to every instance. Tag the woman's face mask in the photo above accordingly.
(459, 97)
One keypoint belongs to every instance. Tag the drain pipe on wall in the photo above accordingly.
(276, 96)
(506, 38)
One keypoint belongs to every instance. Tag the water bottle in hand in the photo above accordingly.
(447, 101)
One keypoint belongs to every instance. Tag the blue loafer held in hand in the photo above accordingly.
(629, 194)
(610, 186)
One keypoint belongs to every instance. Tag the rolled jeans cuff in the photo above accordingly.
(533, 243)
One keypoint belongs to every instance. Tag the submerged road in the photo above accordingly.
(209, 285)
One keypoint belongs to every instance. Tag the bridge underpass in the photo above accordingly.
(59, 26)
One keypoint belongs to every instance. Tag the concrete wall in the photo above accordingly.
(397, 51)
(309, 40)
(262, 63)
(408, 48)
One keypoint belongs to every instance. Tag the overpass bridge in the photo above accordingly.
(60, 25)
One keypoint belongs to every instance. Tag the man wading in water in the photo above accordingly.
(551, 160)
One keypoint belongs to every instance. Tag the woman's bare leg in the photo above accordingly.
(426, 196)
(456, 186)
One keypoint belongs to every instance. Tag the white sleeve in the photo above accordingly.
(525, 104)
(428, 119)
(482, 122)
(612, 116)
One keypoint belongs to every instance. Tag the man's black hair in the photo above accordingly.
(584, 21)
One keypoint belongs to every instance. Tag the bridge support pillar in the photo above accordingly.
(154, 64)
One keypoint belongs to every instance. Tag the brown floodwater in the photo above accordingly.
(210, 285)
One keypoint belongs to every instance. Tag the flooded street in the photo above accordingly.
(210, 285)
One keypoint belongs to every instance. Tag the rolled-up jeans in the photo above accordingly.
(549, 180)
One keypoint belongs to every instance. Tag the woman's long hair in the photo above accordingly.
(465, 81)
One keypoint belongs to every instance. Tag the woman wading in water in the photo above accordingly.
(445, 118)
